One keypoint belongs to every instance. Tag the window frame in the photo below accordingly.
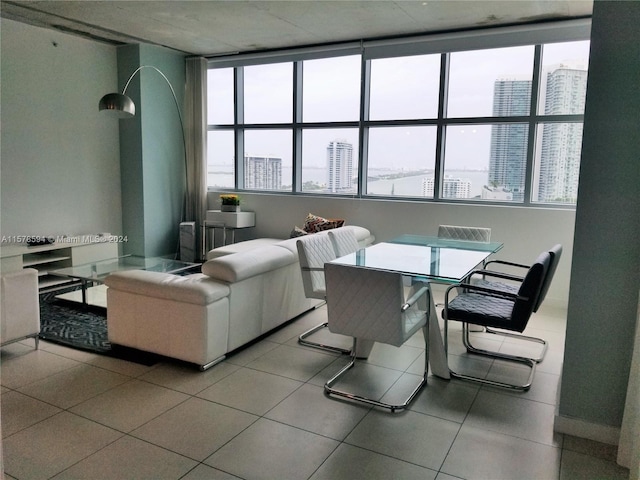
(441, 44)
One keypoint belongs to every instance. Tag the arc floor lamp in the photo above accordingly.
(122, 106)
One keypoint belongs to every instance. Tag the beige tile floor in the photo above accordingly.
(262, 414)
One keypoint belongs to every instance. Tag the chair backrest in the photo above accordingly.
(455, 232)
(344, 241)
(529, 292)
(556, 253)
(366, 304)
(313, 252)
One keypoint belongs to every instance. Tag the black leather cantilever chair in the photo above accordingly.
(497, 308)
(556, 253)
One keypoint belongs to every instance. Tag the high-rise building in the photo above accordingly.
(340, 166)
(262, 173)
(451, 187)
(556, 176)
(507, 161)
(557, 179)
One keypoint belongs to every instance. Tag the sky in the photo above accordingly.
(401, 88)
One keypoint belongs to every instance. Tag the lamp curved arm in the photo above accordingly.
(173, 92)
(122, 105)
(175, 100)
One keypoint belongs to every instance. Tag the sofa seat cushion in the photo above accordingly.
(247, 264)
(241, 247)
(198, 289)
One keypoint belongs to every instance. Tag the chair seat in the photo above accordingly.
(505, 287)
(482, 310)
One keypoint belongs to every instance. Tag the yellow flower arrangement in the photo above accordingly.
(229, 199)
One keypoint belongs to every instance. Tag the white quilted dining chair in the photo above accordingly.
(475, 234)
(455, 232)
(370, 305)
(313, 252)
(344, 241)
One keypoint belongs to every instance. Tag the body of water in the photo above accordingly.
(222, 177)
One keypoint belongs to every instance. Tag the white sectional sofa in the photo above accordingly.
(244, 291)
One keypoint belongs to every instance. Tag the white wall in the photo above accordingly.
(525, 231)
(629, 447)
(605, 278)
(60, 164)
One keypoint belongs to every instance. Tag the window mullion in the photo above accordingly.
(239, 127)
(441, 129)
(363, 134)
(533, 126)
(297, 131)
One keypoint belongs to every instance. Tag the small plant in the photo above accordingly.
(230, 199)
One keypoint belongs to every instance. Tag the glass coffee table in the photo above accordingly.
(96, 273)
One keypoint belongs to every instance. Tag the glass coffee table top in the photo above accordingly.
(95, 273)
(98, 271)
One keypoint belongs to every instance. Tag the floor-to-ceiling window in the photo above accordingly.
(492, 116)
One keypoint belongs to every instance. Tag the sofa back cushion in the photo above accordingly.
(197, 288)
(241, 247)
(243, 265)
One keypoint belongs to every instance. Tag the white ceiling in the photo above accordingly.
(214, 27)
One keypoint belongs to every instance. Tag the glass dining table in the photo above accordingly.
(430, 260)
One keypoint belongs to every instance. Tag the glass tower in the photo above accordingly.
(559, 167)
(340, 166)
(507, 161)
(262, 173)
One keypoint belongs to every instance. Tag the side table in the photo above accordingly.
(225, 221)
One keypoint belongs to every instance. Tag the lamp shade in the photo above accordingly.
(118, 104)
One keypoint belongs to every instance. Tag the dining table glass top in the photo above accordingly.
(432, 241)
(436, 259)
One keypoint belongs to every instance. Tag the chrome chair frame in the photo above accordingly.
(328, 387)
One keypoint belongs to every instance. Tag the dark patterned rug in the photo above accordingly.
(82, 327)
